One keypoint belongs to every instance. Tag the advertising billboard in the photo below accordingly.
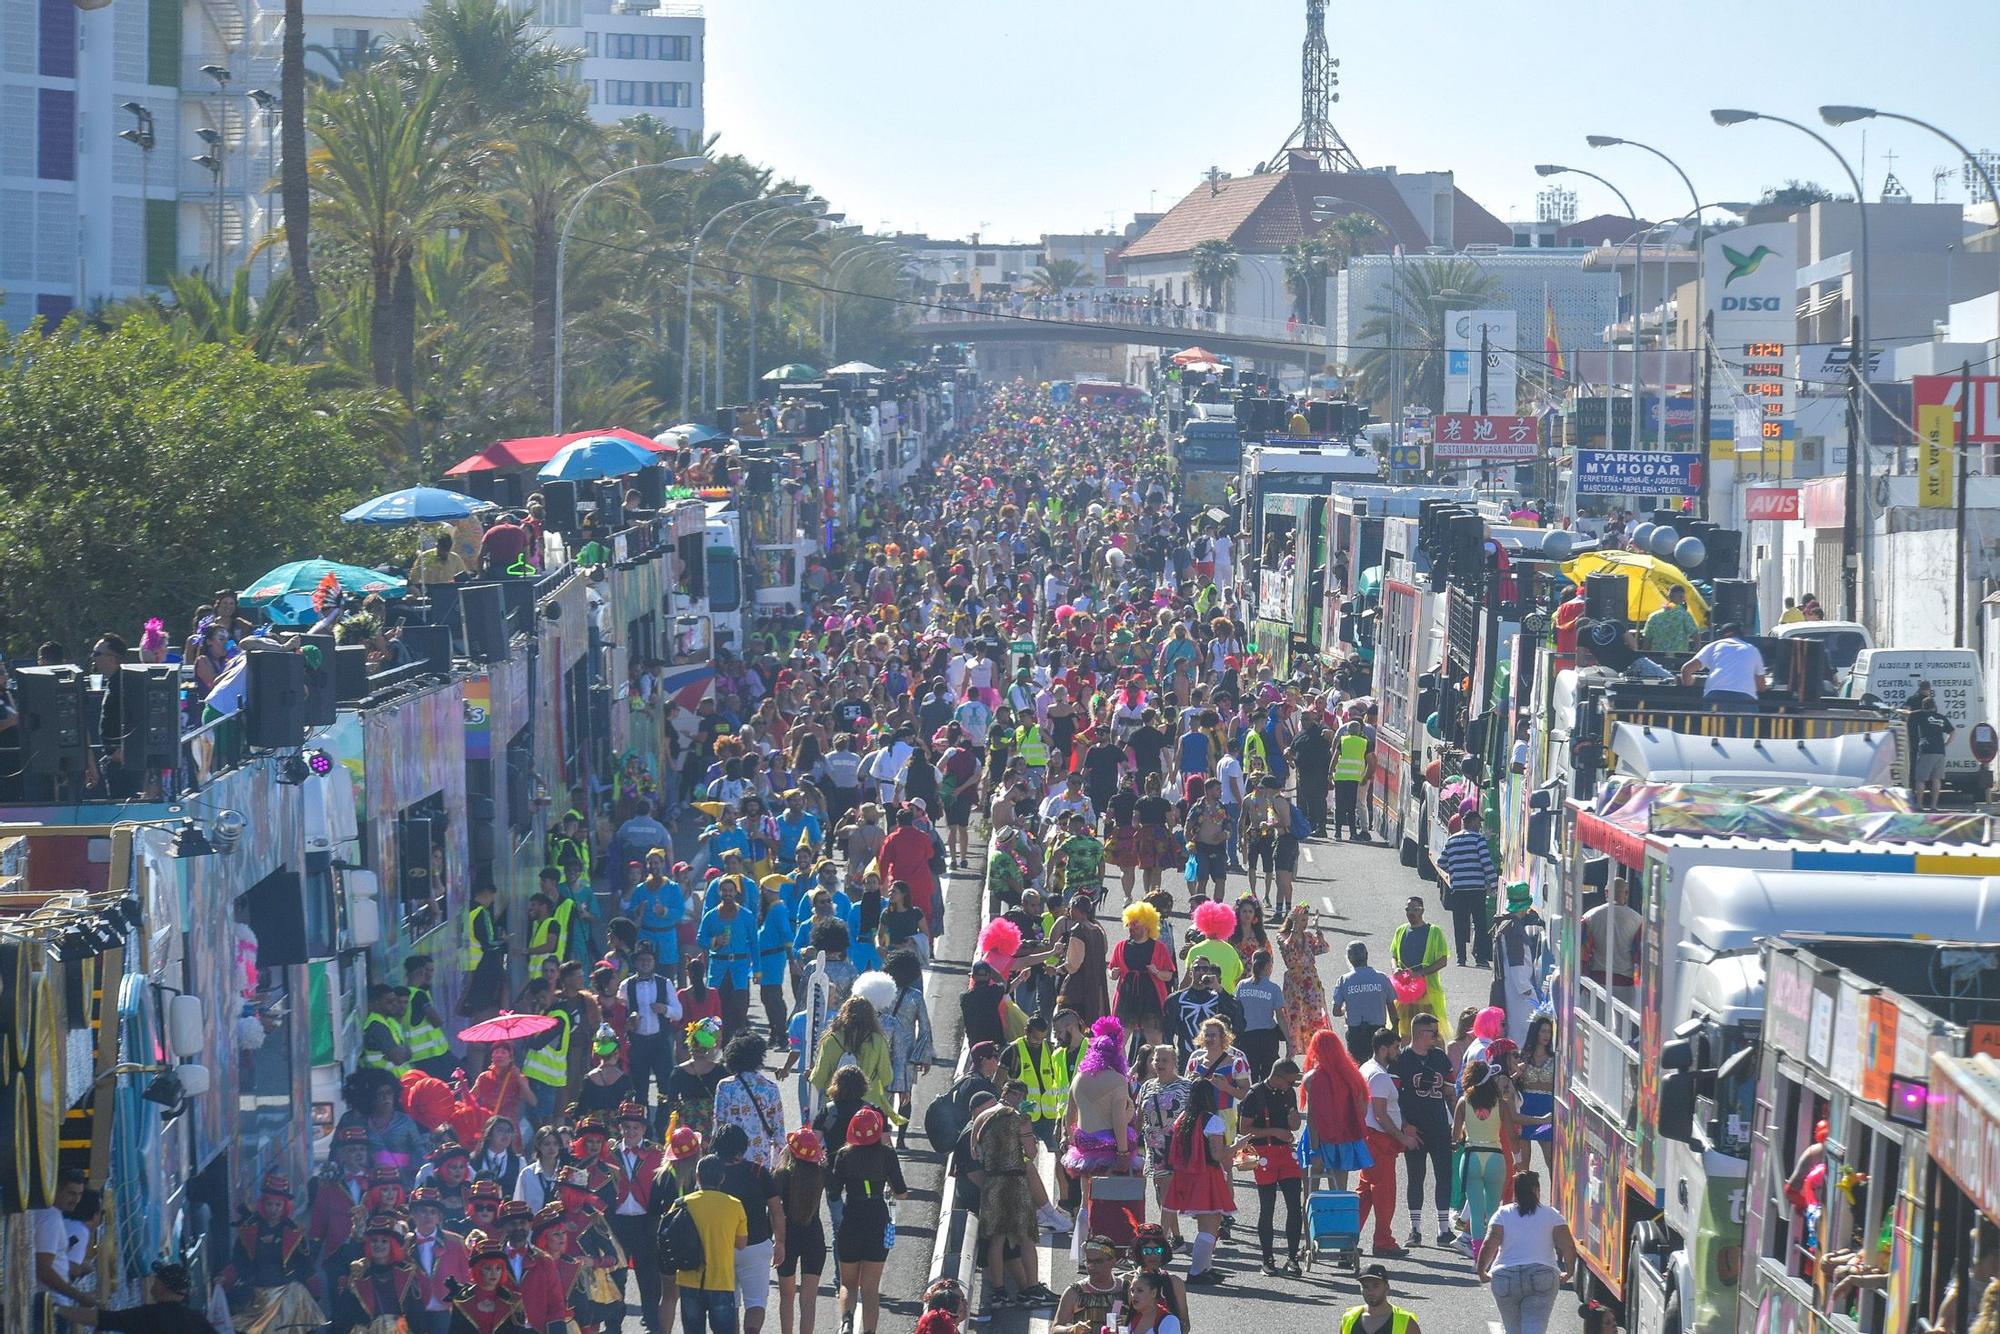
(1464, 333)
(1469, 436)
(1637, 472)
(1752, 295)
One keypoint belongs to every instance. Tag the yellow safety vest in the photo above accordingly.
(375, 1060)
(1256, 758)
(1399, 1320)
(550, 936)
(424, 1039)
(1048, 1084)
(474, 951)
(1034, 748)
(549, 1064)
(1352, 761)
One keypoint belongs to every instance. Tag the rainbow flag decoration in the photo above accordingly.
(1551, 346)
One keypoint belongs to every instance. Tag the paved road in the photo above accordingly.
(1359, 890)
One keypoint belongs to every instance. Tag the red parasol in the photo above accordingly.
(1188, 355)
(507, 1027)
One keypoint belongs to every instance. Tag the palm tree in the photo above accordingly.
(498, 75)
(535, 184)
(293, 186)
(387, 175)
(1057, 276)
(1306, 268)
(1347, 236)
(1212, 264)
(1411, 318)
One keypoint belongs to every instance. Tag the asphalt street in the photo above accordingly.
(1356, 892)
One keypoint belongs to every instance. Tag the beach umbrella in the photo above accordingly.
(792, 372)
(596, 456)
(1647, 580)
(416, 504)
(1191, 354)
(689, 433)
(856, 368)
(303, 576)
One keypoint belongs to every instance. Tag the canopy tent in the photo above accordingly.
(1647, 579)
(532, 451)
(856, 368)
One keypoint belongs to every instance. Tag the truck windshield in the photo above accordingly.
(725, 589)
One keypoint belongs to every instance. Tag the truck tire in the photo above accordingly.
(1408, 853)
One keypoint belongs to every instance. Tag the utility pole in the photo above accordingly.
(1703, 446)
(1850, 538)
(1958, 544)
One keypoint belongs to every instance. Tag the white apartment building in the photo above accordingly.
(638, 59)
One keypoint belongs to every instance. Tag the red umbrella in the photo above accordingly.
(1190, 354)
(507, 1027)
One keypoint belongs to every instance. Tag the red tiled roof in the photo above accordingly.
(1264, 213)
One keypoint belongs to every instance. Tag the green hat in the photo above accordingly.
(1519, 897)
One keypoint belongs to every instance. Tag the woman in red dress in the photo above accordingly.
(1198, 1152)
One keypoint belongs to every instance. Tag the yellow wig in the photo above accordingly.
(1145, 915)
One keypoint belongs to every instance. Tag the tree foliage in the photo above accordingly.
(1411, 319)
(1213, 265)
(149, 472)
(1795, 193)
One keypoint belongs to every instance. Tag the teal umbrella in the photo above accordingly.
(303, 576)
(792, 372)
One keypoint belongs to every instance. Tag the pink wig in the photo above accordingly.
(1107, 1048)
(1216, 921)
(1489, 1023)
(1000, 937)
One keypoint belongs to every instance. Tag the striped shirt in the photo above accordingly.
(1467, 863)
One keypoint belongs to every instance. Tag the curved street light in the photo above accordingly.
(811, 206)
(830, 327)
(868, 255)
(694, 163)
(750, 304)
(1329, 202)
(1857, 451)
(1638, 284)
(1700, 268)
(694, 253)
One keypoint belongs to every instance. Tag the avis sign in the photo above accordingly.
(1484, 439)
(1772, 503)
(1979, 426)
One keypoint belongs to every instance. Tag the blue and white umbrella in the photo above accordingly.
(416, 504)
(596, 456)
(690, 433)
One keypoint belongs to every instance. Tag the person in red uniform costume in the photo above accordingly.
(438, 1256)
(489, 1305)
(906, 855)
(380, 1288)
(335, 1220)
(541, 1279)
(635, 1164)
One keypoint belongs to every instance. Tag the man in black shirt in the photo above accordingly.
(763, 1206)
(1101, 764)
(1203, 999)
(1930, 737)
(166, 1310)
(849, 712)
(1423, 1077)
(1148, 743)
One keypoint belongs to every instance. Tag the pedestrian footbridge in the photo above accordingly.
(1233, 336)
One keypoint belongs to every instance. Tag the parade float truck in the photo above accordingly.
(1408, 643)
(1282, 570)
(1857, 1033)
(1668, 891)
(1205, 456)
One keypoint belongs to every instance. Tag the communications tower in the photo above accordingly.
(1319, 75)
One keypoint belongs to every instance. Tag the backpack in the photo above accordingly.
(943, 1123)
(679, 1241)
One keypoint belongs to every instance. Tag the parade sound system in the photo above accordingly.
(559, 507)
(479, 485)
(485, 621)
(508, 493)
(1319, 417)
(350, 673)
(274, 699)
(150, 695)
(1725, 554)
(517, 601)
(610, 506)
(1735, 603)
(50, 700)
(1606, 597)
(651, 484)
(321, 699)
(431, 645)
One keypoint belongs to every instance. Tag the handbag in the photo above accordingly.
(1301, 827)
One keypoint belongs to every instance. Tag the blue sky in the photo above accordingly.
(1018, 117)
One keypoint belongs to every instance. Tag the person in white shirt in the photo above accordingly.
(1387, 1138)
(1229, 772)
(1224, 553)
(51, 1241)
(1054, 588)
(1736, 671)
(979, 673)
(889, 763)
(955, 670)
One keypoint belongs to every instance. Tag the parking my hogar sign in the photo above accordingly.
(1637, 472)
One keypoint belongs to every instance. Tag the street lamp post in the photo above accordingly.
(267, 106)
(694, 253)
(140, 136)
(1638, 283)
(217, 140)
(562, 247)
(756, 258)
(1700, 275)
(721, 379)
(1858, 564)
(830, 340)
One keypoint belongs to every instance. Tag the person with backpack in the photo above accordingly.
(699, 1237)
(865, 1174)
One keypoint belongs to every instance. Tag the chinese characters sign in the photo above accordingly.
(1469, 436)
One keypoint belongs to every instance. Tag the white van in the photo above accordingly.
(1890, 676)
(1845, 641)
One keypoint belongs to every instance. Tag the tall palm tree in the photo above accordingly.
(1348, 235)
(535, 182)
(293, 187)
(1057, 276)
(1212, 265)
(386, 176)
(1411, 318)
(498, 75)
(1306, 267)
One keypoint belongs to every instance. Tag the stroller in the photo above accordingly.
(1333, 1222)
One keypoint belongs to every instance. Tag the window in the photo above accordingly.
(673, 48)
(983, 258)
(56, 159)
(58, 39)
(622, 45)
(590, 91)
(638, 93)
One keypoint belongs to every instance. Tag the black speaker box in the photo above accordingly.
(1725, 554)
(321, 698)
(274, 699)
(559, 506)
(51, 703)
(509, 492)
(350, 673)
(1606, 597)
(651, 484)
(150, 695)
(610, 507)
(1735, 603)
(430, 645)
(485, 621)
(480, 485)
